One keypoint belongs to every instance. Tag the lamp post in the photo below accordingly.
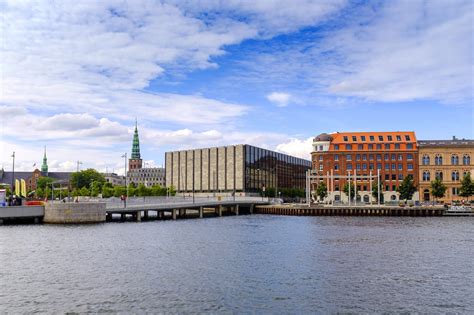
(125, 172)
(13, 173)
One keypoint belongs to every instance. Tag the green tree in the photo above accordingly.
(346, 190)
(119, 191)
(322, 191)
(46, 193)
(86, 177)
(438, 189)
(96, 189)
(132, 190)
(375, 190)
(84, 191)
(107, 190)
(467, 186)
(143, 191)
(172, 190)
(44, 182)
(407, 188)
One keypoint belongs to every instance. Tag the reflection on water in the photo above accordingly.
(256, 263)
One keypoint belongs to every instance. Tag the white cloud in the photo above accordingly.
(297, 147)
(279, 98)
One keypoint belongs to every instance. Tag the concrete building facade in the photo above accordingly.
(448, 160)
(393, 154)
(242, 169)
(149, 176)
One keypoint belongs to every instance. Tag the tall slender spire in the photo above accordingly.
(44, 166)
(136, 143)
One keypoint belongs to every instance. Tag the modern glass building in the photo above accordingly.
(240, 168)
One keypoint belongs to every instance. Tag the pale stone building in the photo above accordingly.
(448, 160)
(242, 169)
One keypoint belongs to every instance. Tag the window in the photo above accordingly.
(400, 157)
(379, 157)
(348, 146)
(364, 157)
(336, 157)
(379, 166)
(394, 157)
(380, 138)
(320, 157)
(349, 157)
(358, 166)
(360, 147)
(400, 167)
(394, 188)
(426, 176)
(387, 146)
(455, 176)
(336, 147)
(407, 137)
(354, 138)
(439, 175)
(320, 167)
(371, 157)
(455, 191)
(362, 138)
(393, 166)
(371, 166)
(386, 157)
(425, 160)
(364, 166)
(387, 166)
(410, 167)
(320, 148)
(379, 146)
(336, 166)
(409, 146)
(466, 159)
(409, 156)
(387, 177)
(389, 138)
(371, 146)
(397, 146)
(454, 159)
(349, 166)
(387, 188)
(399, 138)
(394, 177)
(346, 139)
(371, 138)
(438, 159)
(357, 157)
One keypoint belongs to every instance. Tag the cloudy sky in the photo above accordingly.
(76, 74)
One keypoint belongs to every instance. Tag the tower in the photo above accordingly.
(44, 166)
(135, 161)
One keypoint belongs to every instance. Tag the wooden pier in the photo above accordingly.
(303, 210)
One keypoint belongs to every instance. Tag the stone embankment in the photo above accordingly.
(86, 212)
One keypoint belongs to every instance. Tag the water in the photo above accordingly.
(257, 264)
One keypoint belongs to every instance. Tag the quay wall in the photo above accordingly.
(87, 212)
(302, 210)
(21, 212)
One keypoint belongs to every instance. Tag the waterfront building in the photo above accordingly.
(392, 154)
(242, 169)
(448, 160)
(114, 179)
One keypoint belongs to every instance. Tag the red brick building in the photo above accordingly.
(395, 154)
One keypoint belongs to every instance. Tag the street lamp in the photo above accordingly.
(13, 174)
(125, 172)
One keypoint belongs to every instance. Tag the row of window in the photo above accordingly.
(466, 159)
(371, 157)
(380, 137)
(439, 175)
(371, 166)
(378, 146)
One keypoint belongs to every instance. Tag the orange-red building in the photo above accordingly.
(394, 154)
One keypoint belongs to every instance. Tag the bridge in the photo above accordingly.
(180, 207)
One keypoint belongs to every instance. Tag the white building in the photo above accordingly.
(149, 176)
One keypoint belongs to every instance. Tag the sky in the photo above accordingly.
(75, 75)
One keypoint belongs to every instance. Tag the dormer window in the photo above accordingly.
(346, 138)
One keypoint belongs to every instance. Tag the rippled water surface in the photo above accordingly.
(258, 264)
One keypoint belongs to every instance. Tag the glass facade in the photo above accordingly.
(272, 169)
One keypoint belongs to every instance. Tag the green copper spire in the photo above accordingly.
(136, 144)
(44, 166)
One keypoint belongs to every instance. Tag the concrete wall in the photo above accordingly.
(86, 212)
(21, 212)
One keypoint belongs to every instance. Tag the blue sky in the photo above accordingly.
(75, 75)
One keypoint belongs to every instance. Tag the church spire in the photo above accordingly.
(44, 166)
(136, 143)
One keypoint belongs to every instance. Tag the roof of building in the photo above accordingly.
(446, 143)
(378, 137)
(6, 176)
(323, 137)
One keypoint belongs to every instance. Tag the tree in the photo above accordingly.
(438, 189)
(467, 186)
(143, 191)
(346, 190)
(107, 190)
(44, 182)
(172, 191)
(157, 190)
(84, 191)
(375, 190)
(86, 177)
(407, 188)
(120, 191)
(96, 189)
(322, 191)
